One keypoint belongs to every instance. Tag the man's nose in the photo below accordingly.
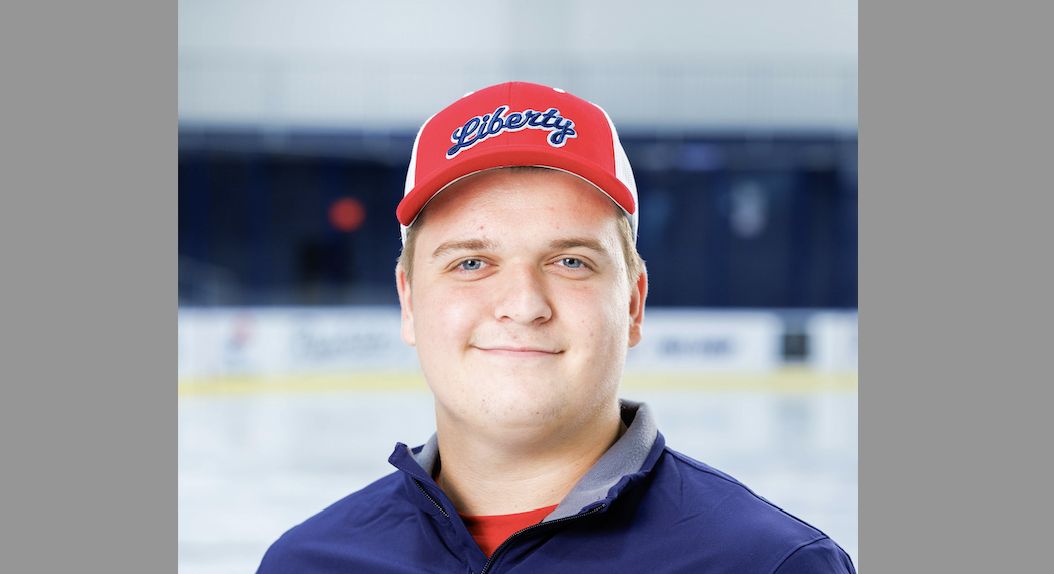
(522, 296)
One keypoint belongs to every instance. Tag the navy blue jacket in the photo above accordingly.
(641, 508)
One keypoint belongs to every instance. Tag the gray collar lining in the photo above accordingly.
(626, 456)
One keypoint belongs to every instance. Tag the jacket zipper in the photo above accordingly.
(429, 496)
(503, 545)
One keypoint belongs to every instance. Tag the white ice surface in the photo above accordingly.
(252, 466)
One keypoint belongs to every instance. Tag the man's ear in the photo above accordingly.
(402, 284)
(637, 294)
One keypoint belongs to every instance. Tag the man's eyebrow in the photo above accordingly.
(464, 245)
(573, 242)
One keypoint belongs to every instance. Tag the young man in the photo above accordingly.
(522, 290)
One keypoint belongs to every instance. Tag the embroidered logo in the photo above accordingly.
(482, 127)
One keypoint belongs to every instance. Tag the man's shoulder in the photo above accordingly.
(713, 511)
(364, 518)
(705, 488)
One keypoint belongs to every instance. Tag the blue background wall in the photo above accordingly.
(726, 220)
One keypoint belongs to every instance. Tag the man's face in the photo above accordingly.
(520, 306)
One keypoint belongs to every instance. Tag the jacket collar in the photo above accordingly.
(630, 457)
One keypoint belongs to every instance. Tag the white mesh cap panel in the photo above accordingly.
(623, 171)
(411, 172)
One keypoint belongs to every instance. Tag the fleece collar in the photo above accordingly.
(626, 457)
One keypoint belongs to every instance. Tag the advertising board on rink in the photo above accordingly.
(258, 341)
(833, 339)
(690, 340)
(279, 341)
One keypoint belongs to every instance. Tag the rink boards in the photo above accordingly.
(261, 349)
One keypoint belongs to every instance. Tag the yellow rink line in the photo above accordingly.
(789, 380)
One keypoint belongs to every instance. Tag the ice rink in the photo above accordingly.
(252, 465)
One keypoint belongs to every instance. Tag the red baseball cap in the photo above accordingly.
(517, 124)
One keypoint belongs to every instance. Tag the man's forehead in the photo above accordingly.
(519, 209)
(488, 244)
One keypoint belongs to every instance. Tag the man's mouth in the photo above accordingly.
(516, 351)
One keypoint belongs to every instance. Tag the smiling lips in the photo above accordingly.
(518, 352)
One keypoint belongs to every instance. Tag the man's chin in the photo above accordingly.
(519, 414)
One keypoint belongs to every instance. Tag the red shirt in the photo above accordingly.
(490, 531)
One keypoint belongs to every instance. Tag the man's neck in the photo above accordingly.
(486, 475)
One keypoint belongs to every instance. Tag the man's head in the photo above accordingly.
(519, 281)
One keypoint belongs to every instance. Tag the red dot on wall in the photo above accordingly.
(347, 214)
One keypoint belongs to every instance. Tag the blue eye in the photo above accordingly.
(471, 264)
(571, 262)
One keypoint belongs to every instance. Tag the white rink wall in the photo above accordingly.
(292, 341)
(275, 341)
